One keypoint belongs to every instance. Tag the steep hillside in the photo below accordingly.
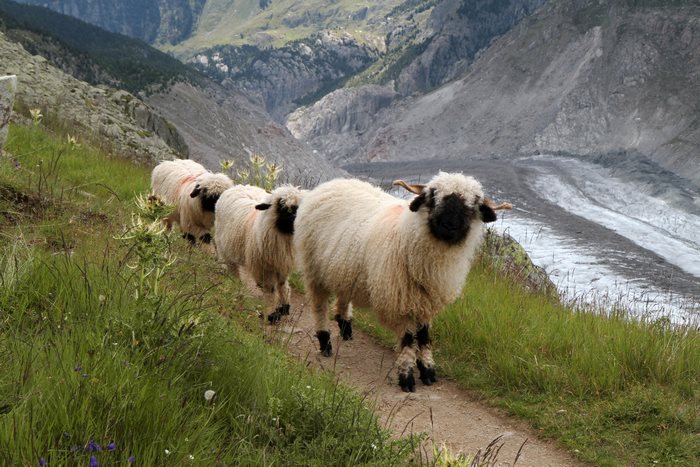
(218, 124)
(205, 121)
(91, 53)
(282, 79)
(578, 77)
(154, 21)
(117, 116)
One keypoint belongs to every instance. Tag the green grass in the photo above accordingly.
(614, 390)
(89, 355)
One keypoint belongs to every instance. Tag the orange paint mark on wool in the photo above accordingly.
(394, 211)
(186, 181)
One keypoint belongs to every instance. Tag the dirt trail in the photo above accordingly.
(447, 413)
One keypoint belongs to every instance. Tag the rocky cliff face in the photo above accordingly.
(154, 21)
(218, 125)
(457, 30)
(578, 77)
(282, 79)
(117, 115)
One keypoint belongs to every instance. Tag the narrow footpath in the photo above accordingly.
(447, 413)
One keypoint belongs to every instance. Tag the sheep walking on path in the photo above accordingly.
(405, 259)
(254, 230)
(194, 191)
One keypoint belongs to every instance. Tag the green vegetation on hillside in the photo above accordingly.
(614, 390)
(135, 65)
(99, 364)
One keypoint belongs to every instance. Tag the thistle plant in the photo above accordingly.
(257, 162)
(273, 171)
(260, 173)
(150, 244)
(36, 115)
(72, 141)
(226, 165)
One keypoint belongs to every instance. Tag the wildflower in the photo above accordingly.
(167, 452)
(191, 457)
(209, 395)
(93, 446)
(131, 460)
(112, 446)
(93, 461)
(78, 368)
(36, 116)
(42, 462)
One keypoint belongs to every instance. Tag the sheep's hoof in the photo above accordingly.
(345, 327)
(189, 237)
(206, 238)
(324, 340)
(284, 309)
(407, 382)
(427, 374)
(274, 317)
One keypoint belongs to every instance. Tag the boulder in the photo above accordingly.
(8, 86)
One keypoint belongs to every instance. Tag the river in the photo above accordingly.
(610, 231)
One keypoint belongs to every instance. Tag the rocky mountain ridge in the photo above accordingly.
(584, 78)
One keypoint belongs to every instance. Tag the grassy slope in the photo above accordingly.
(615, 391)
(223, 22)
(85, 358)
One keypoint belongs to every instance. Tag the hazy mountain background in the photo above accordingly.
(447, 79)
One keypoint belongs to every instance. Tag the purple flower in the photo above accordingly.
(112, 446)
(131, 460)
(78, 368)
(42, 462)
(93, 446)
(93, 461)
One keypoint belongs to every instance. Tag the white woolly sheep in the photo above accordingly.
(194, 192)
(254, 230)
(405, 259)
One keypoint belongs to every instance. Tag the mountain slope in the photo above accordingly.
(124, 62)
(576, 77)
(205, 120)
(154, 21)
(115, 115)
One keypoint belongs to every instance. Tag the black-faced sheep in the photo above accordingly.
(405, 259)
(254, 230)
(194, 191)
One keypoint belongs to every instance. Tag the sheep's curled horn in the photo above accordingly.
(417, 189)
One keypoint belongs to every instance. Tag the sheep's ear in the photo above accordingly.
(263, 206)
(197, 190)
(487, 213)
(417, 202)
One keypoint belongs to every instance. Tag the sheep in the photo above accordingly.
(405, 259)
(194, 192)
(249, 234)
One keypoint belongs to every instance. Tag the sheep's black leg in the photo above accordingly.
(344, 317)
(189, 237)
(324, 341)
(425, 362)
(405, 362)
(276, 315)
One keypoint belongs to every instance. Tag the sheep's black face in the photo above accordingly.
(209, 201)
(285, 217)
(448, 220)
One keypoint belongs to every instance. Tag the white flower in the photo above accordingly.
(191, 457)
(167, 452)
(209, 395)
